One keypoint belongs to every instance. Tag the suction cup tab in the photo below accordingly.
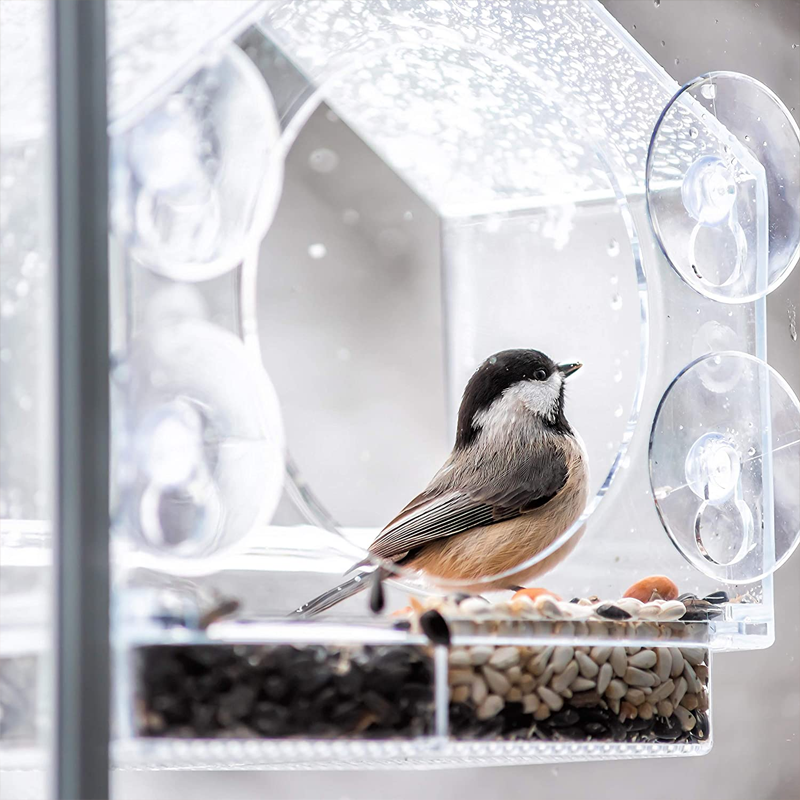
(725, 466)
(723, 187)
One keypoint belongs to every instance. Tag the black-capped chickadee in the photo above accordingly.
(516, 479)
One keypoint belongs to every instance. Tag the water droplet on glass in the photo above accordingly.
(350, 216)
(331, 115)
(317, 251)
(677, 61)
(747, 137)
(751, 451)
(613, 248)
(792, 322)
(616, 302)
(693, 133)
(343, 354)
(663, 43)
(408, 216)
(618, 411)
(618, 376)
(708, 90)
(614, 280)
(323, 160)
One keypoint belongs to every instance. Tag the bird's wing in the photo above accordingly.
(432, 516)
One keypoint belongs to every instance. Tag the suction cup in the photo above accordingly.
(723, 187)
(725, 466)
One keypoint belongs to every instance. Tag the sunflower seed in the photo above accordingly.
(490, 707)
(619, 661)
(663, 663)
(561, 657)
(504, 657)
(553, 701)
(638, 677)
(587, 667)
(496, 681)
(604, 677)
(565, 678)
(644, 659)
(600, 654)
(685, 717)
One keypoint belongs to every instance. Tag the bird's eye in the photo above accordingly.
(540, 375)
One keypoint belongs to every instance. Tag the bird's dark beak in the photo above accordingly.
(567, 369)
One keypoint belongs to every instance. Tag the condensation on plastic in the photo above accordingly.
(725, 466)
(488, 69)
(729, 222)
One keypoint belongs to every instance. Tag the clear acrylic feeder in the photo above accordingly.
(324, 216)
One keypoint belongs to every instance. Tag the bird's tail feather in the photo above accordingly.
(333, 596)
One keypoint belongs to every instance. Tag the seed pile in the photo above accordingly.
(545, 606)
(579, 693)
(271, 691)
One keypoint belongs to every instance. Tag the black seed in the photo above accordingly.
(435, 627)
(402, 625)
(270, 719)
(618, 731)
(571, 733)
(637, 725)
(667, 728)
(564, 718)
(717, 597)
(376, 598)
(275, 687)
(701, 729)
(349, 683)
(610, 611)
(575, 600)
(596, 729)
(585, 699)
(239, 701)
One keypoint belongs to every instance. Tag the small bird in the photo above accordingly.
(516, 479)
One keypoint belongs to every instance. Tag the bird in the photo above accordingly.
(516, 479)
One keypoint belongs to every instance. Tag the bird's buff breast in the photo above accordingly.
(482, 552)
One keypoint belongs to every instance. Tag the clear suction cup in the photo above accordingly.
(723, 187)
(198, 463)
(199, 175)
(725, 466)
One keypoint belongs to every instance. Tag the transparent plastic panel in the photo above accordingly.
(727, 219)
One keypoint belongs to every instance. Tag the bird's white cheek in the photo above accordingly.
(541, 397)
